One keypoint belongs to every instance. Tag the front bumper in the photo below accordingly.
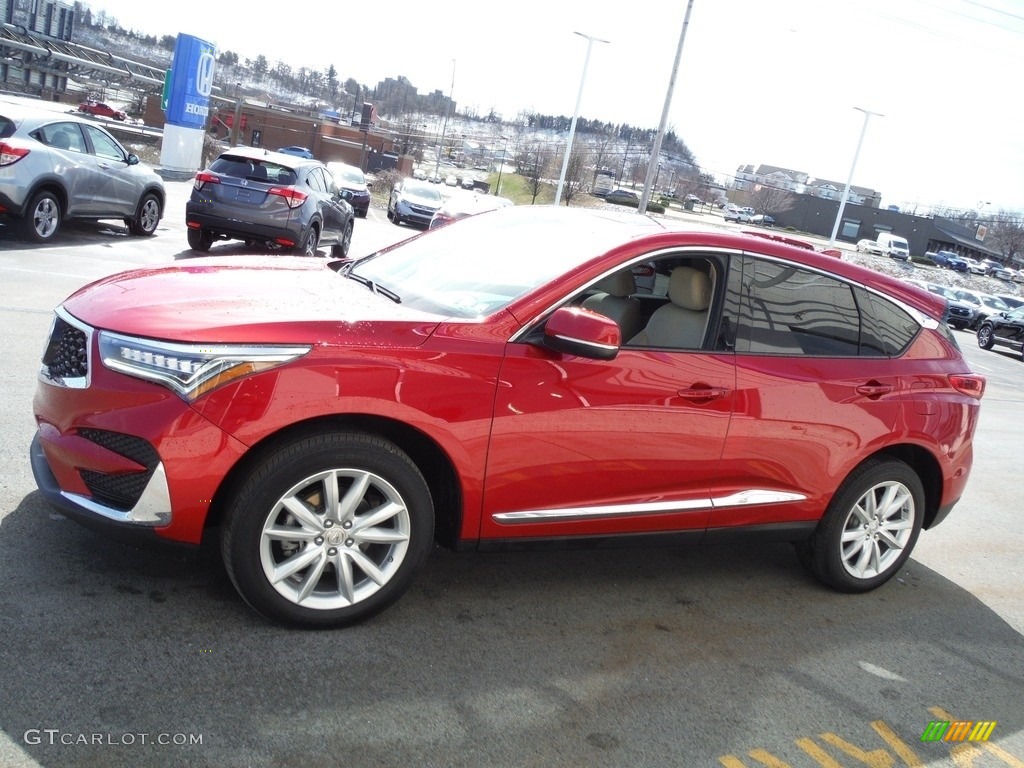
(133, 527)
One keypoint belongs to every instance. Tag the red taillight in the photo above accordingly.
(292, 196)
(10, 155)
(205, 177)
(970, 384)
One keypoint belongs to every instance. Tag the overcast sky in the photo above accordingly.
(759, 82)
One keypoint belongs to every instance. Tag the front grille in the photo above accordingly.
(67, 352)
(959, 311)
(122, 490)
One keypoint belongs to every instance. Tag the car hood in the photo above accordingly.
(426, 200)
(267, 300)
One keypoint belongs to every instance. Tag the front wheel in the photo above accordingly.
(985, 338)
(147, 217)
(869, 528)
(42, 217)
(328, 530)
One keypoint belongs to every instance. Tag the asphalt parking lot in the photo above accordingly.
(718, 656)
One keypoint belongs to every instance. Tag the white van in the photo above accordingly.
(897, 247)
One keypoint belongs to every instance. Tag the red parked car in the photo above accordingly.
(100, 109)
(501, 384)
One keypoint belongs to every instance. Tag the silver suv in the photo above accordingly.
(56, 166)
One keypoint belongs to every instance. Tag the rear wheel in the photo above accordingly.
(309, 243)
(985, 338)
(341, 249)
(869, 529)
(147, 217)
(199, 239)
(42, 217)
(328, 530)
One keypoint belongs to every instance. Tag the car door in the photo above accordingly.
(815, 388)
(73, 163)
(1010, 329)
(117, 186)
(332, 212)
(582, 447)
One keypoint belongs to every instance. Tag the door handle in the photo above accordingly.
(702, 393)
(874, 389)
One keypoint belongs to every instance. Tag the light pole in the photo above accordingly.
(656, 151)
(444, 127)
(575, 115)
(846, 189)
(497, 187)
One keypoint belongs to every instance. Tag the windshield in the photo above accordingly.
(485, 262)
(994, 302)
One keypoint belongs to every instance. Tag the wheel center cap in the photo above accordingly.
(335, 537)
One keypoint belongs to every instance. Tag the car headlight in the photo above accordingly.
(191, 370)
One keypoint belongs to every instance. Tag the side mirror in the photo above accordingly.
(133, 159)
(580, 332)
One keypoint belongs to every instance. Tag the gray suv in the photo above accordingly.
(55, 166)
(271, 199)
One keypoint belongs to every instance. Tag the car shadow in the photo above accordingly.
(489, 659)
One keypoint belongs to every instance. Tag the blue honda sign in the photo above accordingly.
(191, 82)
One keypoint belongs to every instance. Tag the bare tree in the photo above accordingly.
(533, 161)
(576, 172)
(1006, 233)
(769, 199)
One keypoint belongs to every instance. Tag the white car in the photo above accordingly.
(742, 215)
(870, 246)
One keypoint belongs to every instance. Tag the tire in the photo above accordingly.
(986, 340)
(199, 239)
(147, 217)
(42, 217)
(309, 243)
(341, 249)
(869, 528)
(294, 561)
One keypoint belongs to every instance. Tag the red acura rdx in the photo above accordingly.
(525, 376)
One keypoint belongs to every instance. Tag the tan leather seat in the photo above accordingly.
(682, 322)
(617, 302)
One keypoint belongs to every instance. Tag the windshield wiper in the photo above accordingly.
(378, 289)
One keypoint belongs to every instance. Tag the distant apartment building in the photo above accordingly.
(28, 25)
(748, 178)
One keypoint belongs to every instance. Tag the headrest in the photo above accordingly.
(689, 288)
(620, 284)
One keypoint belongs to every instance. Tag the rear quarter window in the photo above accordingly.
(778, 308)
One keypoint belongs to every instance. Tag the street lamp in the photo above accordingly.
(846, 189)
(575, 115)
(497, 187)
(444, 127)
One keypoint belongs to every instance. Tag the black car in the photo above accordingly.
(623, 197)
(1005, 329)
(271, 199)
(959, 313)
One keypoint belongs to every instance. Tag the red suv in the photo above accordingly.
(503, 383)
(100, 109)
